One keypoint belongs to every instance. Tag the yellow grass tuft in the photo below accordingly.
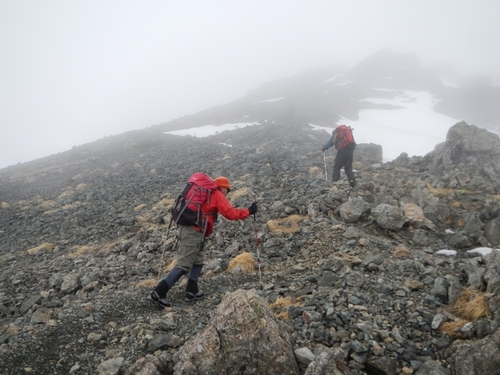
(66, 193)
(169, 266)
(238, 193)
(451, 327)
(23, 203)
(496, 197)
(81, 186)
(471, 305)
(438, 191)
(139, 207)
(47, 203)
(281, 303)
(164, 203)
(244, 261)
(443, 192)
(106, 247)
(47, 246)
(141, 219)
(4, 205)
(149, 283)
(72, 205)
(287, 225)
(280, 306)
(81, 250)
(65, 207)
(315, 170)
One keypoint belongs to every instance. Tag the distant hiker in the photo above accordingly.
(344, 142)
(190, 257)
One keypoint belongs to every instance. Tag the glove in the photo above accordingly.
(253, 208)
(323, 148)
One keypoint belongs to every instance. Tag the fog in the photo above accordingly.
(72, 72)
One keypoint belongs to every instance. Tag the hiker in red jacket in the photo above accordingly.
(344, 142)
(191, 239)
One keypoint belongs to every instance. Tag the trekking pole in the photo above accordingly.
(163, 251)
(257, 248)
(324, 161)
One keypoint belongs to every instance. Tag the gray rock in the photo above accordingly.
(323, 364)
(353, 209)
(28, 303)
(304, 355)
(71, 283)
(492, 232)
(389, 217)
(242, 324)
(110, 367)
(432, 368)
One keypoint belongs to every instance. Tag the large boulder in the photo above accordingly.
(471, 150)
(389, 217)
(243, 337)
(477, 357)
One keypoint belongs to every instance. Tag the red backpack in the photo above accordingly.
(187, 206)
(343, 136)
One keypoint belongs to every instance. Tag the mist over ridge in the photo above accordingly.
(325, 96)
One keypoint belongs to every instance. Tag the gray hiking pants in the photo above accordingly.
(190, 248)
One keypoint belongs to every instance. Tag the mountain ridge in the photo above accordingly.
(82, 241)
(359, 275)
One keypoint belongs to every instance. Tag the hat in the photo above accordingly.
(222, 182)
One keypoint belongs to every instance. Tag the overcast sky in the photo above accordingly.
(72, 72)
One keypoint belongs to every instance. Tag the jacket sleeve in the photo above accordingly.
(330, 142)
(227, 210)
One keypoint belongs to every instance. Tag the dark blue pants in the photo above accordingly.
(344, 159)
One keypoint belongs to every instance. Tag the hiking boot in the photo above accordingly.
(188, 297)
(352, 183)
(155, 298)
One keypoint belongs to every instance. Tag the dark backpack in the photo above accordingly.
(187, 206)
(344, 136)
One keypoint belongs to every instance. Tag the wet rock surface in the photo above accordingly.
(357, 279)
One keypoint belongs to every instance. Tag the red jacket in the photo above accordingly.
(220, 204)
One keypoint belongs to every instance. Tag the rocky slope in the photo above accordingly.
(354, 272)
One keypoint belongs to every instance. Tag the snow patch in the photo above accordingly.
(412, 126)
(331, 79)
(482, 250)
(446, 252)
(208, 130)
(271, 100)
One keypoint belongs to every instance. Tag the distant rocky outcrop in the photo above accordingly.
(325, 95)
(378, 279)
(470, 157)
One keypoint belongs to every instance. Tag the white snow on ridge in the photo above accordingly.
(208, 130)
(478, 250)
(482, 250)
(271, 100)
(331, 79)
(413, 128)
(345, 83)
(446, 252)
